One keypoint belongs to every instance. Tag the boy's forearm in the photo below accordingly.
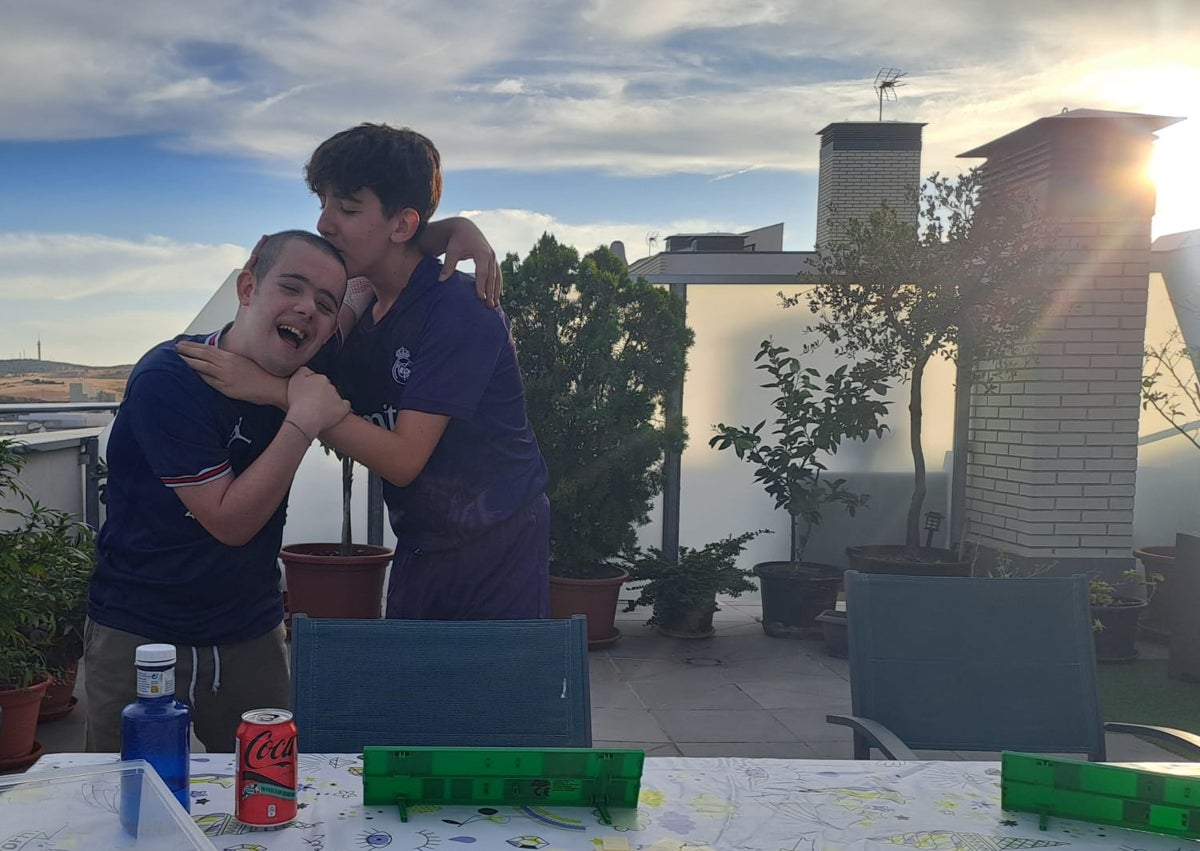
(436, 235)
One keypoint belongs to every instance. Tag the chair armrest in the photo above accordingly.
(1188, 743)
(873, 734)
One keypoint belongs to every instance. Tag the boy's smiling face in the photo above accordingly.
(287, 316)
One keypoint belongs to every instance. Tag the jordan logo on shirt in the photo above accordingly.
(402, 368)
(236, 434)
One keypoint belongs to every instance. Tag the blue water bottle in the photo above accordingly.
(156, 728)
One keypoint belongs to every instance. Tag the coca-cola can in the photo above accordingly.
(266, 768)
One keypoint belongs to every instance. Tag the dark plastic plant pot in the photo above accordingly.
(793, 594)
(836, 632)
(1116, 640)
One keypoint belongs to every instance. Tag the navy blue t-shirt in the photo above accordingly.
(441, 350)
(159, 573)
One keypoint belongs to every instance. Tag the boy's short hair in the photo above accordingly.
(273, 245)
(402, 167)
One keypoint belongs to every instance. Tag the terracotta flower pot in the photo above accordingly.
(595, 598)
(322, 584)
(20, 707)
(59, 699)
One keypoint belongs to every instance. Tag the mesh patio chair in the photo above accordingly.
(440, 683)
(956, 664)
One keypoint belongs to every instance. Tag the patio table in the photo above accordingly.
(724, 804)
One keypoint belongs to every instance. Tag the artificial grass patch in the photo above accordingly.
(1140, 693)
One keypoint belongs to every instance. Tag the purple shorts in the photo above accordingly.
(503, 574)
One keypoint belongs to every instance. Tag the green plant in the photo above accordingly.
(46, 561)
(676, 588)
(964, 284)
(1169, 385)
(599, 353)
(813, 415)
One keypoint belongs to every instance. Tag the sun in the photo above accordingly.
(1175, 169)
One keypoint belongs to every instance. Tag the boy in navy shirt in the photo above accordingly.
(432, 374)
(196, 498)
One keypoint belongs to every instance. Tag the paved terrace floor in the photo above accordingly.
(739, 693)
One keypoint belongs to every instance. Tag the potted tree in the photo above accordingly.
(37, 547)
(959, 285)
(684, 593)
(813, 415)
(1114, 621)
(1169, 388)
(336, 580)
(599, 353)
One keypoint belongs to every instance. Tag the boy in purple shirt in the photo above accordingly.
(432, 373)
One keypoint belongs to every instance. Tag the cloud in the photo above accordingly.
(74, 267)
(620, 85)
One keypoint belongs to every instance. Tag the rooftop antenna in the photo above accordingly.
(886, 83)
(651, 241)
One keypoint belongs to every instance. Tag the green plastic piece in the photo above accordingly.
(1133, 798)
(561, 777)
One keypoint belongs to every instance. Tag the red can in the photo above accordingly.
(266, 768)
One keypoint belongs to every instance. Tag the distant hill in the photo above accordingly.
(27, 380)
(30, 366)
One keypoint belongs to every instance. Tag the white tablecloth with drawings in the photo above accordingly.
(729, 804)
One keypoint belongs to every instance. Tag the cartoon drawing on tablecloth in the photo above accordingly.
(544, 816)
(953, 840)
(30, 840)
(837, 807)
(102, 795)
(225, 781)
(374, 839)
(489, 813)
(244, 847)
(527, 842)
(431, 839)
(224, 824)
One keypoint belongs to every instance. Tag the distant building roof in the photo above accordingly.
(1023, 136)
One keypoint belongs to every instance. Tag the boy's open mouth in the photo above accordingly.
(291, 335)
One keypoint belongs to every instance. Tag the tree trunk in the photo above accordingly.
(912, 528)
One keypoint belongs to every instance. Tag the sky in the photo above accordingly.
(149, 143)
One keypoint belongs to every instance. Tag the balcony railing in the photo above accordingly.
(57, 450)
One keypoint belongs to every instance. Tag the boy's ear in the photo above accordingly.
(245, 286)
(407, 222)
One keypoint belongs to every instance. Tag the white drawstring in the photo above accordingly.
(192, 686)
(216, 670)
(216, 686)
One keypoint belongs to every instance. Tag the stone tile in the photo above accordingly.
(701, 670)
(772, 750)
(809, 725)
(799, 692)
(630, 725)
(651, 748)
(614, 694)
(721, 725)
(840, 749)
(679, 693)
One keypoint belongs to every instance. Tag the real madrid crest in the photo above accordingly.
(402, 368)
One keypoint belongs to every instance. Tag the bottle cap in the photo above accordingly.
(155, 654)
